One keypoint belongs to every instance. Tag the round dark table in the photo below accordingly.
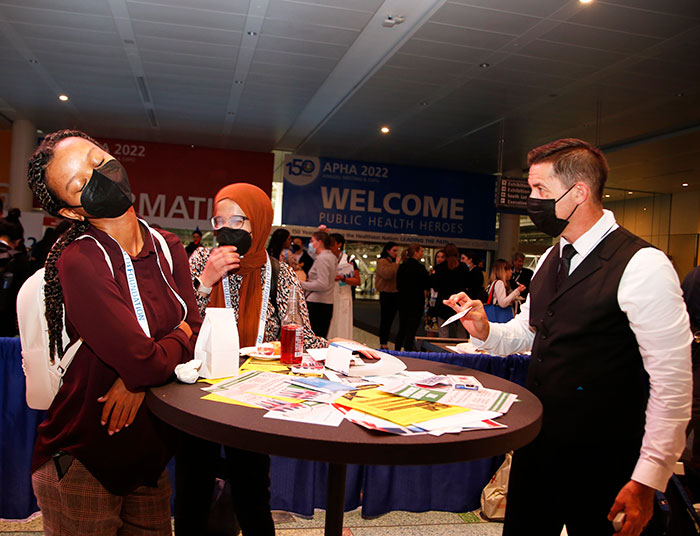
(181, 406)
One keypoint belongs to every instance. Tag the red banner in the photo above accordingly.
(174, 185)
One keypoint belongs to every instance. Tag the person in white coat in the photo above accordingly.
(347, 276)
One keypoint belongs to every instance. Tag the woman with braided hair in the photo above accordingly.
(99, 459)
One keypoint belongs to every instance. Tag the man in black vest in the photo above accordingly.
(610, 342)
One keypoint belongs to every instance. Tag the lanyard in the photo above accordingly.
(265, 299)
(134, 292)
(134, 287)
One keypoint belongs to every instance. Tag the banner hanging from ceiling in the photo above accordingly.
(174, 185)
(381, 202)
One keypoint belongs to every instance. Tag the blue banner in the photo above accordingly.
(378, 198)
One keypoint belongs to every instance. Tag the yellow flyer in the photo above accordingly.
(403, 411)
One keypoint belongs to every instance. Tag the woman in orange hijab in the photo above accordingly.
(234, 275)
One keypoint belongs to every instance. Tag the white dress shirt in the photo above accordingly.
(650, 295)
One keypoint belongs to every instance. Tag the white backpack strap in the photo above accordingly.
(65, 361)
(104, 251)
(163, 246)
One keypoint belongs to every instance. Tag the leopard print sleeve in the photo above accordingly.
(198, 260)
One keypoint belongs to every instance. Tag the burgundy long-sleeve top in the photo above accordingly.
(99, 309)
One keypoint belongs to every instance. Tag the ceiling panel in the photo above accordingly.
(468, 37)
(85, 37)
(479, 18)
(229, 19)
(685, 8)
(176, 32)
(599, 38)
(299, 46)
(538, 8)
(191, 60)
(311, 32)
(444, 51)
(284, 58)
(631, 21)
(546, 66)
(573, 54)
(212, 50)
(52, 17)
(336, 17)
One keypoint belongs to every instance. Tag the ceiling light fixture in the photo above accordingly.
(63, 98)
(630, 193)
(684, 185)
(384, 130)
(252, 33)
(585, 1)
(607, 195)
(484, 65)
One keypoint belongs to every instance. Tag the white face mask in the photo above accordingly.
(312, 249)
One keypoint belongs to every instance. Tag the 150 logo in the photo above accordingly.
(301, 170)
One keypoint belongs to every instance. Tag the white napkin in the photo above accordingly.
(188, 372)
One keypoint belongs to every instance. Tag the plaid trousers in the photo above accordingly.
(79, 505)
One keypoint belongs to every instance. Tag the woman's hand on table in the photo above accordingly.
(475, 321)
(122, 404)
(222, 260)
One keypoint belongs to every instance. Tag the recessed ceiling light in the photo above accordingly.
(684, 184)
(585, 1)
(630, 193)
(63, 98)
(384, 130)
(252, 33)
(645, 208)
(607, 195)
(484, 65)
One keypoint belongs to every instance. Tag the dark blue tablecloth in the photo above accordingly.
(17, 432)
(297, 486)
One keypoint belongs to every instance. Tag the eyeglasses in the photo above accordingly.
(234, 222)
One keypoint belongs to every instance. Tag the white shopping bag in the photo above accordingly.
(217, 345)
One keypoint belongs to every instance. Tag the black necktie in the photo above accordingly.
(564, 264)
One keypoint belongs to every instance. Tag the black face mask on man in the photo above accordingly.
(225, 236)
(107, 193)
(543, 214)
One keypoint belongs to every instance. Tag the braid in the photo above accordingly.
(53, 293)
(49, 201)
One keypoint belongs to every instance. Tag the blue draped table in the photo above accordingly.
(297, 485)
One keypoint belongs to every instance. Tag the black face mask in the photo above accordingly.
(296, 248)
(107, 193)
(543, 214)
(234, 237)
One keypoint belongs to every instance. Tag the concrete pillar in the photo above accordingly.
(508, 235)
(23, 145)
